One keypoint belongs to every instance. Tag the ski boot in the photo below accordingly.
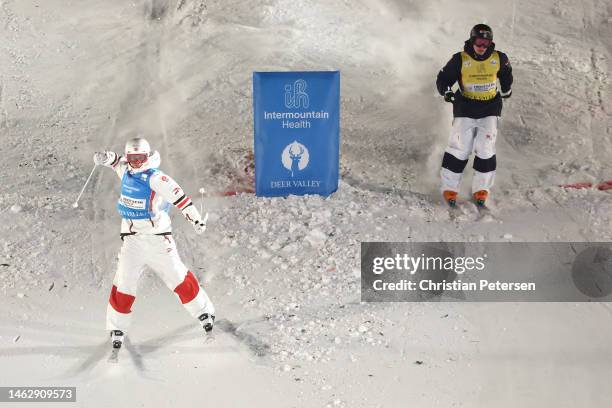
(117, 338)
(480, 198)
(450, 197)
(207, 320)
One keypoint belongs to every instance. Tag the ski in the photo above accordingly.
(117, 337)
(209, 337)
(454, 212)
(114, 356)
(484, 213)
(450, 198)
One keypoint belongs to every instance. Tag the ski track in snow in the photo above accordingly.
(284, 273)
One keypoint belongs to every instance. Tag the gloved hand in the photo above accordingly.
(100, 158)
(449, 96)
(200, 225)
(506, 94)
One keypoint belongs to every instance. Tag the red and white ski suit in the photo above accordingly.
(148, 242)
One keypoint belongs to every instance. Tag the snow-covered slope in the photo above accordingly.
(79, 76)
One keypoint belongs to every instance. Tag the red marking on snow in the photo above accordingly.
(121, 302)
(605, 185)
(241, 180)
(580, 185)
(241, 184)
(188, 289)
(236, 191)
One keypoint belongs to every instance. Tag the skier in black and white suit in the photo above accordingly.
(146, 197)
(477, 106)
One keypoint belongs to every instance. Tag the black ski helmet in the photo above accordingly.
(481, 31)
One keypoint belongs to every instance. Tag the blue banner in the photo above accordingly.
(297, 132)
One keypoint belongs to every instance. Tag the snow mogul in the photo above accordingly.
(146, 196)
(477, 106)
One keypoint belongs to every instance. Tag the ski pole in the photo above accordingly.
(76, 203)
(205, 217)
(202, 191)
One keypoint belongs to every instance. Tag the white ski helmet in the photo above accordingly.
(137, 152)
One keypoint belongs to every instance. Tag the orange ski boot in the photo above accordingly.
(480, 198)
(450, 197)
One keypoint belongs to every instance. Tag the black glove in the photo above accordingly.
(449, 96)
(506, 94)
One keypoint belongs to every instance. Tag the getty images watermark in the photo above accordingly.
(506, 272)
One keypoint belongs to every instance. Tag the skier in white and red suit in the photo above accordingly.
(146, 197)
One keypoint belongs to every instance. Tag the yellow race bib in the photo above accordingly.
(479, 78)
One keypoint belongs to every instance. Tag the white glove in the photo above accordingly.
(101, 158)
(200, 225)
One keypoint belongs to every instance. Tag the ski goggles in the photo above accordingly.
(482, 43)
(137, 159)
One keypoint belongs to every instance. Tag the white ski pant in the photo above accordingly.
(159, 253)
(467, 135)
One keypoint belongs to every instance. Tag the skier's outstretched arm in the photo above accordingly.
(170, 191)
(112, 160)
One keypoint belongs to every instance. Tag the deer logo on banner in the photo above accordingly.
(295, 158)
